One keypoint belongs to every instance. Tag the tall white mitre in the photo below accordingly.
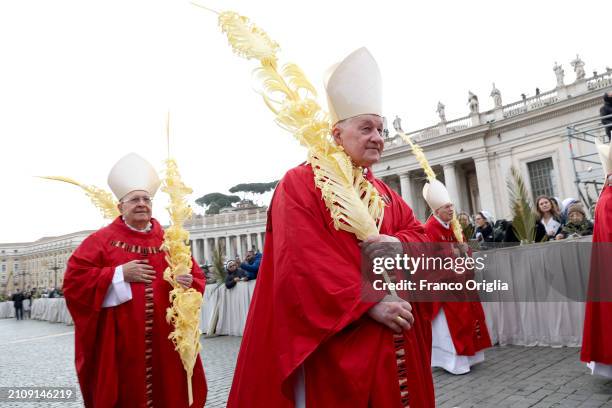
(605, 155)
(354, 87)
(132, 173)
(436, 194)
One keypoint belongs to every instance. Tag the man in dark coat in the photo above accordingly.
(234, 274)
(18, 304)
(251, 266)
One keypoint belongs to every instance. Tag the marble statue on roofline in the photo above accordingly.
(578, 65)
(473, 102)
(496, 95)
(441, 113)
(397, 124)
(559, 73)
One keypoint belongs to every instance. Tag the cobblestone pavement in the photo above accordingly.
(34, 353)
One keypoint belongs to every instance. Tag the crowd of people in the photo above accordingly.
(22, 300)
(242, 271)
(555, 220)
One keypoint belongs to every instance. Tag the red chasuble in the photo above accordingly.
(597, 335)
(307, 310)
(466, 320)
(123, 355)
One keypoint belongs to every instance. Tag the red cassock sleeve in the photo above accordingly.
(85, 282)
(199, 280)
(317, 275)
(85, 287)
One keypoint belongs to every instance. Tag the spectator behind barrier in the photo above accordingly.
(467, 225)
(251, 266)
(548, 224)
(577, 225)
(234, 274)
(484, 228)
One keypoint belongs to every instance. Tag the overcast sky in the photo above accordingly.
(84, 82)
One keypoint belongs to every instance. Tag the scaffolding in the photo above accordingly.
(588, 170)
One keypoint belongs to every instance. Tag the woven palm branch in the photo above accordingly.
(184, 310)
(417, 151)
(354, 204)
(101, 198)
(523, 216)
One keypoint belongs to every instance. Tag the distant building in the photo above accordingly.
(39, 264)
(233, 231)
(473, 155)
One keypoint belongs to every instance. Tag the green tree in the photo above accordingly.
(213, 202)
(254, 188)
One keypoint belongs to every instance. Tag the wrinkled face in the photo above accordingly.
(480, 220)
(446, 212)
(544, 205)
(361, 138)
(576, 217)
(136, 208)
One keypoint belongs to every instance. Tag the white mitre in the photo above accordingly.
(354, 87)
(132, 173)
(605, 155)
(436, 195)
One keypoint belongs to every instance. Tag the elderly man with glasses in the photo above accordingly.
(117, 296)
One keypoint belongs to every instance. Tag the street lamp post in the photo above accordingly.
(23, 274)
(55, 268)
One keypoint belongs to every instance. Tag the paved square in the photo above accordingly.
(35, 353)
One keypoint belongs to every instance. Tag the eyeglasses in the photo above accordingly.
(137, 200)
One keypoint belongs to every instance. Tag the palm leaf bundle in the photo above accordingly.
(102, 199)
(417, 151)
(523, 216)
(184, 310)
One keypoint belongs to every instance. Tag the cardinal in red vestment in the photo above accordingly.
(117, 297)
(311, 339)
(459, 330)
(597, 335)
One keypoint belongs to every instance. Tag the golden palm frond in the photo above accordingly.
(246, 39)
(184, 310)
(417, 151)
(523, 216)
(354, 204)
(101, 198)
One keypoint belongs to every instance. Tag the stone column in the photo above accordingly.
(239, 246)
(228, 247)
(195, 250)
(504, 163)
(485, 189)
(406, 188)
(450, 180)
(216, 244)
(207, 253)
(259, 242)
(249, 241)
